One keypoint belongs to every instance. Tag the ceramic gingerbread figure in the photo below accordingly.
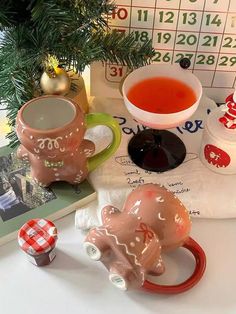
(130, 242)
(51, 130)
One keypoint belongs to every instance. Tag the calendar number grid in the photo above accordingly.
(202, 30)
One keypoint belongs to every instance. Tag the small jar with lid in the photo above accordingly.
(37, 238)
(218, 147)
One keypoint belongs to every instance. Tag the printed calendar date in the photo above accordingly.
(200, 60)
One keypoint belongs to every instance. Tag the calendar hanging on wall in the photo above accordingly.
(202, 30)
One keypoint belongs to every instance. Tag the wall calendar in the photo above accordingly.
(202, 30)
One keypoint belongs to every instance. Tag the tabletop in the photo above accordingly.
(73, 283)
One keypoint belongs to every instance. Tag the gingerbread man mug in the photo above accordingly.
(51, 131)
(130, 242)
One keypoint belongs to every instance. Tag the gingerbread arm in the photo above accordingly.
(109, 211)
(87, 148)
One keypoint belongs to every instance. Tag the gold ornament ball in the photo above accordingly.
(56, 85)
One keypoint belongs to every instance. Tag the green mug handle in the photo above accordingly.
(94, 119)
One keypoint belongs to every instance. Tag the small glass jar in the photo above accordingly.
(37, 238)
(218, 147)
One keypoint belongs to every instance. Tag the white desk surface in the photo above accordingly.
(74, 284)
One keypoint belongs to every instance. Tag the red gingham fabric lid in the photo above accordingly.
(37, 236)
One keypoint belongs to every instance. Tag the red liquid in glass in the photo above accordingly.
(162, 95)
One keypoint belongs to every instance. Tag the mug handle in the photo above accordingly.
(200, 267)
(94, 119)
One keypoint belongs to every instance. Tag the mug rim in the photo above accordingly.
(51, 130)
(154, 114)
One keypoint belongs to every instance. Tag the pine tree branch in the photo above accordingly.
(75, 31)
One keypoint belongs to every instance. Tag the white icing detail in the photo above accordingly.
(25, 154)
(159, 217)
(52, 156)
(77, 130)
(159, 264)
(112, 210)
(126, 250)
(132, 244)
(137, 239)
(78, 177)
(56, 174)
(88, 152)
(50, 143)
(62, 149)
(72, 154)
(178, 219)
(31, 137)
(70, 133)
(66, 136)
(54, 169)
(58, 179)
(36, 150)
(159, 199)
(139, 218)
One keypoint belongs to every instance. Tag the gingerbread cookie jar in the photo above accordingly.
(130, 242)
(51, 130)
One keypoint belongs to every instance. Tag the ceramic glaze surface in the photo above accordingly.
(130, 242)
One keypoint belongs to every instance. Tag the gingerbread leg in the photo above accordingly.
(22, 153)
(37, 178)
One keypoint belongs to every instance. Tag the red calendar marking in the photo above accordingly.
(120, 13)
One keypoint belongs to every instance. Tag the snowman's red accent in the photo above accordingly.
(216, 156)
(229, 118)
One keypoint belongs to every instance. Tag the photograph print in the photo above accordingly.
(18, 192)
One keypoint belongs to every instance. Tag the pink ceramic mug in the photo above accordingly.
(130, 242)
(51, 130)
